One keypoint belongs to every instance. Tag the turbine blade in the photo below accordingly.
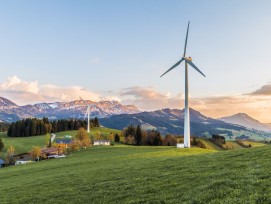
(194, 66)
(83, 101)
(186, 39)
(175, 65)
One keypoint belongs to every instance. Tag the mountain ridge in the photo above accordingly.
(9, 111)
(172, 120)
(245, 120)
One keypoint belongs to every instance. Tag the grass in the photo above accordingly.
(232, 145)
(253, 143)
(128, 174)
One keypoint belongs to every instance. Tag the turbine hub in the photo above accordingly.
(188, 59)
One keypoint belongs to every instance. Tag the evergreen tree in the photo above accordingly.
(1, 145)
(138, 135)
(117, 138)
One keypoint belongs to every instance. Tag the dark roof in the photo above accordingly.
(49, 150)
(63, 141)
(25, 153)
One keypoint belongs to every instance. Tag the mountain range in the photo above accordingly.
(9, 111)
(113, 114)
(172, 120)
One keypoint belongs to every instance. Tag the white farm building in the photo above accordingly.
(101, 142)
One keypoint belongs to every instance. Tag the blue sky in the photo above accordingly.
(58, 50)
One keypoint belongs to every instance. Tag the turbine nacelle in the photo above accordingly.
(187, 59)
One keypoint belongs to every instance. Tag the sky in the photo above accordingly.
(116, 50)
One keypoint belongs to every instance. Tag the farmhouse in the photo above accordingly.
(49, 151)
(65, 143)
(101, 142)
(22, 157)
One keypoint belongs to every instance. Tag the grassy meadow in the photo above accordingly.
(139, 174)
(129, 174)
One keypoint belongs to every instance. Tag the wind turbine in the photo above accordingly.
(188, 60)
(87, 113)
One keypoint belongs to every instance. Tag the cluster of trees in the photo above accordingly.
(137, 136)
(220, 140)
(243, 144)
(34, 126)
(242, 137)
(198, 143)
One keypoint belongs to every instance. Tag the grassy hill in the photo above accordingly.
(24, 144)
(128, 174)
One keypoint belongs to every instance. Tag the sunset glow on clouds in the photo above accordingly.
(256, 103)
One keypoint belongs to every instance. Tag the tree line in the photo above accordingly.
(137, 136)
(34, 127)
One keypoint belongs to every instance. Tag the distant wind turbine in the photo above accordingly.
(188, 60)
(87, 113)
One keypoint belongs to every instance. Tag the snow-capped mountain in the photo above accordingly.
(9, 111)
(6, 104)
(245, 120)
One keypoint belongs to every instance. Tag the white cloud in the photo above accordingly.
(24, 92)
(16, 84)
(214, 106)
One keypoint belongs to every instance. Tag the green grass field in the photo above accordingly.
(129, 174)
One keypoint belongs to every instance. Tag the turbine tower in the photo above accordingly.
(87, 113)
(188, 60)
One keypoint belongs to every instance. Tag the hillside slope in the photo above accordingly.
(125, 174)
(246, 121)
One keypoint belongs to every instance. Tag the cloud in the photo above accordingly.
(264, 90)
(17, 85)
(24, 92)
(147, 98)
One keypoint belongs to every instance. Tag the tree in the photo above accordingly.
(111, 137)
(138, 135)
(76, 144)
(36, 152)
(1, 145)
(9, 155)
(83, 137)
(117, 138)
(48, 142)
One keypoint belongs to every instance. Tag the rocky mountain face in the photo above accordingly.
(246, 121)
(9, 111)
(171, 121)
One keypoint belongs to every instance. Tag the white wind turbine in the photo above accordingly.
(188, 60)
(87, 113)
